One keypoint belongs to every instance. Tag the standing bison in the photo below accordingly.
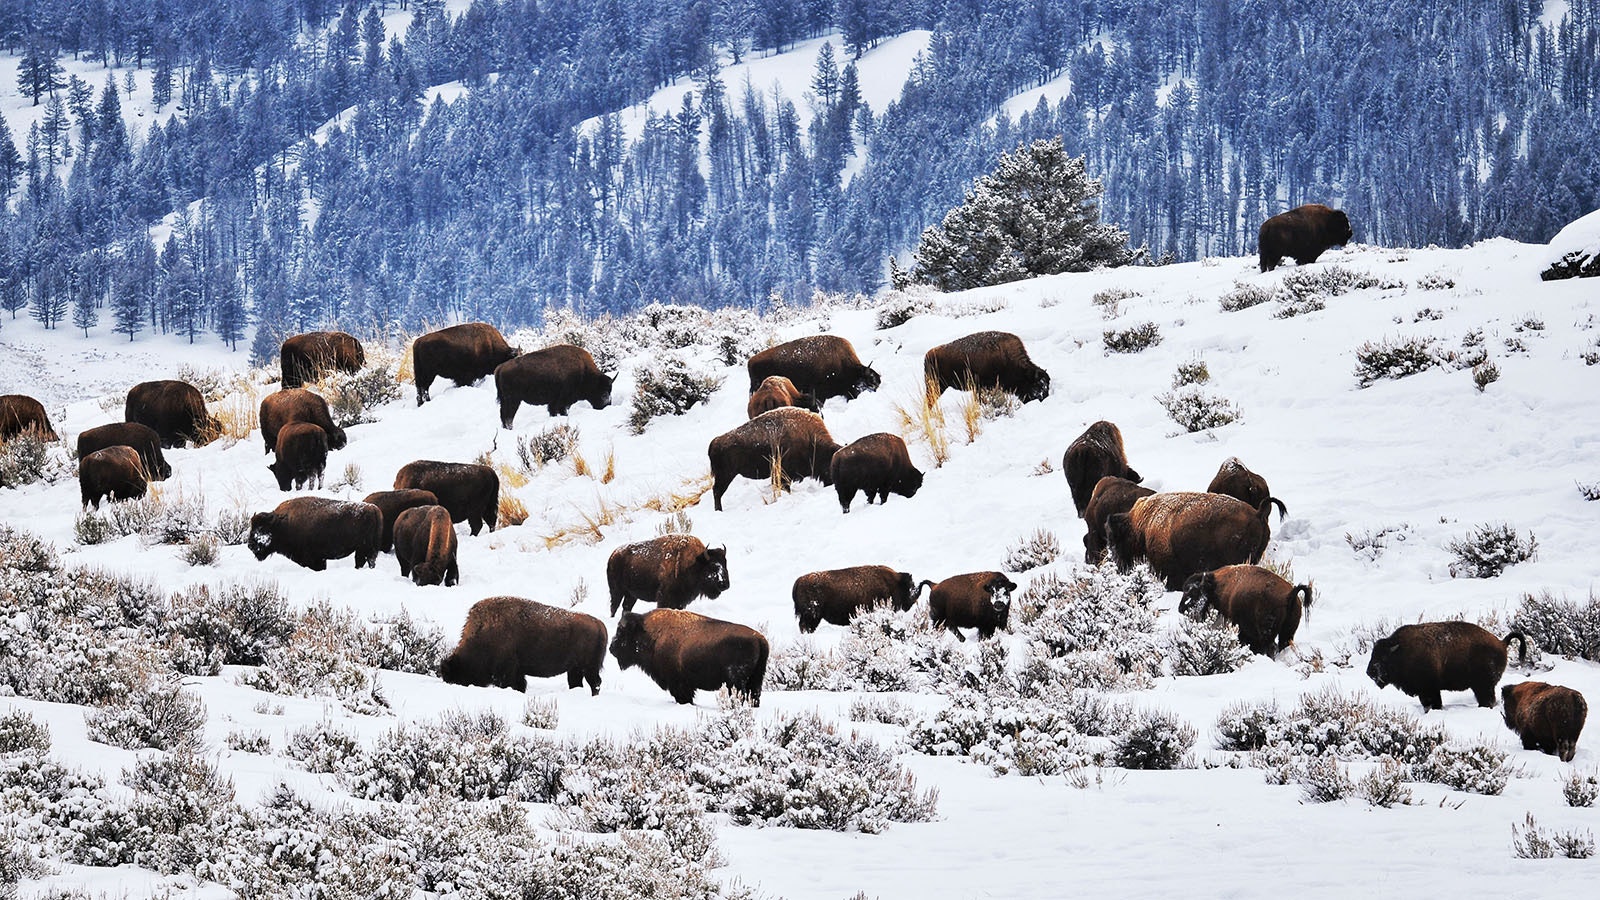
(115, 472)
(172, 409)
(1302, 233)
(308, 357)
(19, 413)
(839, 595)
(507, 639)
(469, 491)
(1112, 495)
(988, 359)
(425, 546)
(302, 456)
(392, 504)
(555, 377)
(297, 405)
(669, 571)
(141, 438)
(684, 652)
(1092, 456)
(821, 365)
(312, 530)
(875, 465)
(1236, 480)
(461, 353)
(1548, 717)
(1184, 532)
(980, 600)
(798, 439)
(1423, 660)
(1266, 608)
(776, 391)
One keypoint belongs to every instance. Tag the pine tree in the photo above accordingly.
(39, 72)
(55, 131)
(133, 277)
(228, 318)
(80, 99)
(85, 300)
(161, 81)
(12, 165)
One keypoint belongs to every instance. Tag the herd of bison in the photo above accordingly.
(1207, 544)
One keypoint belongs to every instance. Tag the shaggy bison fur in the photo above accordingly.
(776, 391)
(392, 504)
(425, 545)
(312, 530)
(461, 353)
(804, 448)
(988, 359)
(1236, 480)
(1423, 660)
(115, 472)
(980, 600)
(1183, 532)
(1548, 717)
(875, 465)
(297, 405)
(669, 571)
(1092, 456)
(471, 492)
(1112, 495)
(1266, 608)
(307, 357)
(684, 652)
(302, 456)
(141, 438)
(822, 365)
(174, 410)
(555, 377)
(1302, 233)
(507, 639)
(838, 595)
(19, 413)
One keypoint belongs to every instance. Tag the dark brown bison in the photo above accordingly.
(141, 438)
(822, 365)
(980, 600)
(875, 465)
(392, 504)
(1183, 532)
(555, 377)
(1094, 455)
(302, 456)
(776, 391)
(669, 571)
(1548, 717)
(471, 492)
(1266, 608)
(1302, 233)
(115, 472)
(174, 410)
(19, 413)
(312, 530)
(307, 357)
(838, 595)
(799, 438)
(1236, 480)
(425, 545)
(1422, 660)
(684, 652)
(297, 405)
(461, 353)
(987, 359)
(1112, 495)
(507, 639)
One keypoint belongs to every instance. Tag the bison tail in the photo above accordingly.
(1522, 646)
(924, 583)
(1303, 591)
(1264, 511)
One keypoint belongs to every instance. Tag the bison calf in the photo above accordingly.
(1184, 532)
(19, 413)
(875, 465)
(684, 652)
(987, 359)
(392, 504)
(461, 353)
(302, 456)
(1112, 495)
(297, 405)
(797, 439)
(1423, 660)
(839, 595)
(470, 492)
(114, 472)
(425, 545)
(555, 377)
(1548, 717)
(312, 530)
(821, 365)
(776, 391)
(980, 600)
(1094, 455)
(669, 571)
(1266, 608)
(507, 639)
(141, 438)
(1236, 480)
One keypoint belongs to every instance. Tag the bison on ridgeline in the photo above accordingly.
(312, 530)
(1184, 532)
(19, 413)
(174, 410)
(297, 405)
(425, 546)
(462, 353)
(1423, 660)
(1112, 495)
(1302, 233)
(508, 639)
(875, 465)
(1266, 608)
(470, 492)
(669, 571)
(1548, 717)
(776, 391)
(1094, 455)
(987, 359)
(392, 504)
(302, 456)
(821, 365)
(839, 595)
(980, 600)
(798, 438)
(308, 357)
(1236, 480)
(684, 652)
(115, 472)
(141, 438)
(555, 377)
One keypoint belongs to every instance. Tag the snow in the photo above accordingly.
(1052, 92)
(1554, 11)
(1579, 236)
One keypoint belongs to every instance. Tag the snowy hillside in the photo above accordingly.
(1377, 481)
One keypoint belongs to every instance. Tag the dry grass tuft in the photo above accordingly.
(512, 510)
(686, 496)
(776, 479)
(1283, 568)
(510, 476)
(580, 465)
(609, 472)
(406, 372)
(923, 417)
(238, 415)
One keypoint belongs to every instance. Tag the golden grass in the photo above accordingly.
(675, 501)
(1283, 568)
(609, 472)
(510, 476)
(776, 478)
(238, 415)
(580, 466)
(512, 510)
(406, 372)
(923, 417)
(971, 408)
(587, 529)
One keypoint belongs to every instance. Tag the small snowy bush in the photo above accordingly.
(1435, 281)
(233, 626)
(160, 715)
(252, 741)
(1581, 789)
(1558, 625)
(91, 528)
(1485, 374)
(467, 757)
(885, 710)
(232, 527)
(1204, 648)
(1590, 491)
(19, 733)
(1156, 740)
(1478, 768)
(1132, 340)
(669, 387)
(399, 643)
(899, 308)
(1037, 549)
(353, 396)
(1370, 544)
(547, 447)
(1245, 295)
(1385, 785)
(1531, 842)
(541, 712)
(1096, 629)
(1323, 780)
(1327, 722)
(1009, 735)
(25, 458)
(801, 666)
(202, 552)
(1110, 301)
(1197, 410)
(323, 658)
(322, 747)
(1395, 359)
(1191, 372)
(1488, 550)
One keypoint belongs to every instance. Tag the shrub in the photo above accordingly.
(1037, 549)
(467, 757)
(885, 710)
(1478, 768)
(1394, 359)
(352, 396)
(249, 742)
(19, 733)
(1427, 313)
(1110, 301)
(400, 643)
(1323, 780)
(541, 712)
(1370, 545)
(1485, 374)
(323, 747)
(1009, 735)
(1204, 648)
(1531, 842)
(669, 387)
(1132, 340)
(1590, 491)
(160, 715)
(1488, 550)
(1330, 723)
(1196, 410)
(91, 528)
(1591, 353)
(203, 552)
(1385, 785)
(1245, 295)
(1580, 789)
(801, 666)
(1192, 372)
(1096, 629)
(1157, 740)
(1435, 281)
(552, 445)
(25, 459)
(1561, 626)
(239, 625)
(899, 308)
(323, 658)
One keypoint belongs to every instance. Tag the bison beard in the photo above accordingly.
(507, 639)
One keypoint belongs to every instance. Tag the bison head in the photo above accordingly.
(1035, 386)
(281, 471)
(459, 668)
(1339, 228)
(630, 642)
(1124, 541)
(909, 483)
(262, 527)
(712, 566)
(906, 592)
(338, 439)
(600, 390)
(1198, 593)
(1508, 703)
(1381, 667)
(867, 380)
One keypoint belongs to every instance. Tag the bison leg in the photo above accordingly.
(314, 563)
(558, 409)
(1529, 742)
(846, 495)
(452, 575)
(719, 486)
(508, 411)
(955, 631)
(1485, 696)
(424, 381)
(684, 696)
(574, 678)
(405, 568)
(369, 558)
(476, 523)
(616, 600)
(1566, 749)
(1430, 699)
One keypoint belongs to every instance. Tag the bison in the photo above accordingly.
(1422, 660)
(1094, 455)
(302, 456)
(980, 600)
(776, 391)
(1266, 608)
(461, 353)
(1112, 495)
(507, 639)
(425, 545)
(297, 405)
(141, 438)
(1184, 532)
(876, 464)
(798, 438)
(821, 365)
(684, 652)
(669, 571)
(115, 472)
(1236, 480)
(308, 357)
(555, 377)
(838, 595)
(312, 530)
(471, 492)
(1302, 233)
(174, 410)
(988, 359)
(1548, 717)
(19, 413)
(392, 504)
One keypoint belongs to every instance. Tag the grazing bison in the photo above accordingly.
(776, 391)
(312, 530)
(425, 545)
(1094, 455)
(471, 492)
(461, 353)
(684, 652)
(1266, 608)
(141, 438)
(980, 600)
(1422, 660)
(799, 438)
(19, 413)
(822, 365)
(307, 357)
(1548, 717)
(174, 410)
(838, 595)
(1112, 495)
(1302, 233)
(556, 377)
(669, 571)
(115, 472)
(1184, 532)
(507, 639)
(297, 405)
(987, 359)
(1236, 480)
(876, 464)
(302, 456)
(392, 504)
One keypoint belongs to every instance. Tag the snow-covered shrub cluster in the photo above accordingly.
(902, 306)
(1007, 734)
(1110, 301)
(466, 756)
(1485, 374)
(1531, 842)
(1132, 340)
(1385, 785)
(1307, 288)
(1323, 780)
(547, 447)
(1490, 549)
(1395, 359)
(541, 712)
(233, 626)
(1191, 372)
(669, 386)
(400, 643)
(159, 714)
(323, 658)
(1435, 281)
(353, 396)
(1478, 768)
(897, 651)
(884, 710)
(1561, 626)
(201, 552)
(1094, 628)
(1327, 722)
(612, 790)
(1155, 740)
(1245, 295)
(1590, 491)
(26, 458)
(1037, 549)
(1204, 648)
(1370, 544)
(1581, 789)
(252, 741)
(801, 666)
(1197, 410)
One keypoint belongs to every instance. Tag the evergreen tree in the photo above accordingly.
(12, 165)
(133, 278)
(228, 317)
(80, 99)
(161, 81)
(733, 26)
(55, 131)
(39, 72)
(85, 299)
